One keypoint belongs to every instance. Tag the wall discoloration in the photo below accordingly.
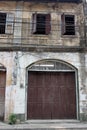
(55, 36)
(22, 12)
(16, 63)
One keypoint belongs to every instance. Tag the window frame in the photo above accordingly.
(47, 28)
(63, 25)
(2, 23)
(9, 24)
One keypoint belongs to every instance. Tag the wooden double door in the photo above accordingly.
(51, 95)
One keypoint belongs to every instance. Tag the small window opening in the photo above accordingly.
(41, 24)
(68, 25)
(2, 23)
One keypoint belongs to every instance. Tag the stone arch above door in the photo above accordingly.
(2, 67)
(56, 81)
(51, 65)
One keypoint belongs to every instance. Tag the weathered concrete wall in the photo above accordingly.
(77, 60)
(6, 59)
(20, 89)
(15, 9)
(17, 62)
(55, 36)
(14, 94)
(83, 86)
(22, 12)
(7, 7)
(16, 79)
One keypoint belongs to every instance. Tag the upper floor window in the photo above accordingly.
(6, 23)
(68, 24)
(2, 23)
(41, 24)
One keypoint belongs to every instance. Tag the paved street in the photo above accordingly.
(45, 126)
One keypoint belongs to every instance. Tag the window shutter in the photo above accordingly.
(63, 24)
(48, 24)
(9, 23)
(34, 22)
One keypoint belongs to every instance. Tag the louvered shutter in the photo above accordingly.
(63, 24)
(34, 22)
(48, 24)
(9, 23)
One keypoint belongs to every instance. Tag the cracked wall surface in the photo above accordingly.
(16, 62)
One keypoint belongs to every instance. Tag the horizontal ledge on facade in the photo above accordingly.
(45, 1)
(44, 49)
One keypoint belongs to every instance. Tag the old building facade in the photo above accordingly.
(43, 59)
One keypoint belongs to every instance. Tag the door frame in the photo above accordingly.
(74, 69)
(3, 69)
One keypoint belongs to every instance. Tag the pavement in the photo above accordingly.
(29, 125)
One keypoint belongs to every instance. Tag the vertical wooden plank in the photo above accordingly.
(34, 22)
(48, 24)
(63, 24)
(9, 23)
(2, 94)
(51, 95)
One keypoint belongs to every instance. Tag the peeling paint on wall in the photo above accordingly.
(16, 63)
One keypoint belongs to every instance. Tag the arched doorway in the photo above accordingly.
(51, 90)
(2, 91)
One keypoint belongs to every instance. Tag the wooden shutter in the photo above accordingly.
(9, 23)
(34, 22)
(48, 24)
(63, 24)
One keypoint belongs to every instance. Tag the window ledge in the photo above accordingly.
(69, 36)
(40, 35)
(3, 35)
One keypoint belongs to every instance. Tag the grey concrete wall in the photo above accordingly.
(16, 96)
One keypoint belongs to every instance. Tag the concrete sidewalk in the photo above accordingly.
(5, 126)
(45, 126)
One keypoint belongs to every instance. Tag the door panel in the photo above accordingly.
(2, 94)
(51, 95)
